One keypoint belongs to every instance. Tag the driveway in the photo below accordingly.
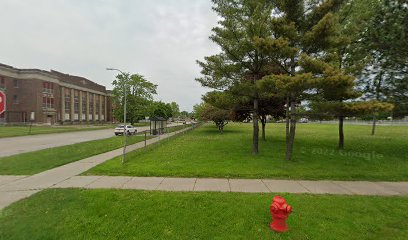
(23, 144)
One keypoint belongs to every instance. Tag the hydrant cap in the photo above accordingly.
(280, 200)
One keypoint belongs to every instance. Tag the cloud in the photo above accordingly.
(159, 39)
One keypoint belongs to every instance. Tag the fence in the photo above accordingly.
(147, 135)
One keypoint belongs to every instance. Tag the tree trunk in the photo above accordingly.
(255, 147)
(292, 131)
(291, 127)
(374, 125)
(287, 121)
(263, 121)
(341, 133)
(377, 97)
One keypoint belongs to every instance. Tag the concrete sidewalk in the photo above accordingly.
(237, 185)
(14, 188)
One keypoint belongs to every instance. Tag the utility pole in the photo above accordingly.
(124, 111)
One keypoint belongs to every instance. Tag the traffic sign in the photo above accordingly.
(2, 102)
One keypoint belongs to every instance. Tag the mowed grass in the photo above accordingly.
(14, 131)
(205, 152)
(38, 161)
(127, 214)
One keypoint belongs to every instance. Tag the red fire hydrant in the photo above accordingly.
(280, 211)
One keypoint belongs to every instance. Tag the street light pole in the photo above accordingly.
(124, 111)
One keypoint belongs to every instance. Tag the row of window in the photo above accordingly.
(48, 87)
(16, 82)
(67, 99)
(48, 102)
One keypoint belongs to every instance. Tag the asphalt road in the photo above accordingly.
(23, 144)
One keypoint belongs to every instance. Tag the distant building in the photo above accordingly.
(51, 97)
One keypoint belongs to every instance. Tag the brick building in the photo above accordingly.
(52, 97)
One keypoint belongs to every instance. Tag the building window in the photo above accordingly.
(103, 106)
(84, 100)
(48, 102)
(91, 103)
(45, 87)
(67, 101)
(97, 104)
(16, 83)
(15, 99)
(48, 87)
(2, 82)
(76, 101)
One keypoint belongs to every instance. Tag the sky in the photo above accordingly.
(160, 39)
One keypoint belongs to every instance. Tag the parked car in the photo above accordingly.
(120, 129)
(303, 120)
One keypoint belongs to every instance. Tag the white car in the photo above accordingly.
(129, 130)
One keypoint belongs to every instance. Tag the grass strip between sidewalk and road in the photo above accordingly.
(129, 214)
(34, 162)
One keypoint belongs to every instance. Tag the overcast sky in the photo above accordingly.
(160, 39)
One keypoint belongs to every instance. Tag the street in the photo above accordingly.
(23, 144)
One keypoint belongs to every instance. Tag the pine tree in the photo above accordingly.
(303, 43)
(240, 61)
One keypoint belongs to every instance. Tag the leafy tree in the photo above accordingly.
(197, 110)
(241, 106)
(382, 45)
(139, 95)
(175, 109)
(161, 109)
(184, 114)
(272, 106)
(219, 116)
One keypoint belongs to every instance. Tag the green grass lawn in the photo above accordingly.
(127, 214)
(14, 131)
(38, 161)
(177, 128)
(206, 153)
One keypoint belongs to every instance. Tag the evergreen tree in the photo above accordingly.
(382, 45)
(241, 23)
(305, 37)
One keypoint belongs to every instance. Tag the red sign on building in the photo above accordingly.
(2, 102)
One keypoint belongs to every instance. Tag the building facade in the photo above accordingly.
(51, 97)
